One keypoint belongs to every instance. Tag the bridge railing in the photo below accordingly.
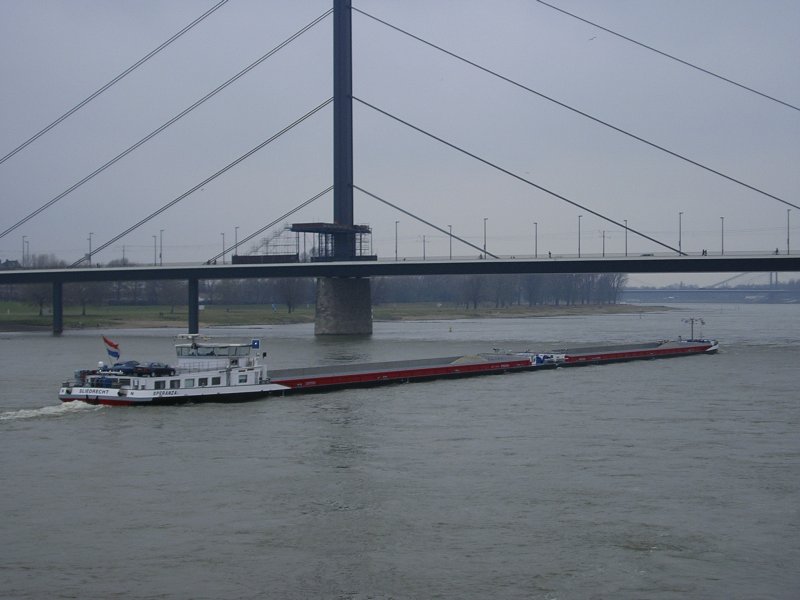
(471, 257)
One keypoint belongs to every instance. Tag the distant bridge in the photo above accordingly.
(691, 294)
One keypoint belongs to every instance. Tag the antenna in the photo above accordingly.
(692, 321)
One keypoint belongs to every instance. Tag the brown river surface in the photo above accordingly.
(659, 479)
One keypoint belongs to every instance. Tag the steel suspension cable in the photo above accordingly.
(273, 223)
(428, 223)
(225, 169)
(519, 177)
(580, 112)
(671, 57)
(127, 71)
(172, 121)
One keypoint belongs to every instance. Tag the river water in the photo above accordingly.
(662, 479)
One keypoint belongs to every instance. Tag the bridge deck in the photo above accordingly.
(643, 264)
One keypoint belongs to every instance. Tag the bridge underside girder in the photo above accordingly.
(375, 268)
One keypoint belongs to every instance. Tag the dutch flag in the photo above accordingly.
(111, 347)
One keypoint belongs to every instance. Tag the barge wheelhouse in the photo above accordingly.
(205, 372)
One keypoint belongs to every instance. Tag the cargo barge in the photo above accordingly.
(404, 371)
(598, 355)
(215, 371)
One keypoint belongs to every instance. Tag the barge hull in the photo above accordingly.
(370, 375)
(327, 378)
(612, 354)
(112, 397)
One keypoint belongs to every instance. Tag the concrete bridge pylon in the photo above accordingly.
(344, 306)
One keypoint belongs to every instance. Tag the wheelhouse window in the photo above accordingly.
(203, 350)
(243, 378)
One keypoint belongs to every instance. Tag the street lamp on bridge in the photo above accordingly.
(155, 248)
(722, 236)
(161, 247)
(626, 236)
(24, 237)
(450, 227)
(788, 210)
(223, 246)
(395, 240)
(90, 248)
(579, 235)
(680, 249)
(484, 235)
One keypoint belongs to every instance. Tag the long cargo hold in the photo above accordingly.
(402, 371)
(596, 355)
(214, 371)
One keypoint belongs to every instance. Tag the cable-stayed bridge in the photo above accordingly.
(664, 254)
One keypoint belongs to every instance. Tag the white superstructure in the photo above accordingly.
(206, 371)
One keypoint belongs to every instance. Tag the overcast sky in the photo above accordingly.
(58, 52)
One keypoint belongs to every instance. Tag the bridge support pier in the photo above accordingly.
(193, 303)
(58, 308)
(344, 306)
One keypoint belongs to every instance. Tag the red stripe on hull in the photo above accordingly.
(418, 374)
(578, 359)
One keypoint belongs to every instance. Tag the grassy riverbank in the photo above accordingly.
(15, 316)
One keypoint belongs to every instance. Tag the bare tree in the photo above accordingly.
(84, 293)
(473, 290)
(173, 293)
(502, 289)
(41, 294)
(292, 291)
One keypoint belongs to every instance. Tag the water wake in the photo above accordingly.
(66, 408)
